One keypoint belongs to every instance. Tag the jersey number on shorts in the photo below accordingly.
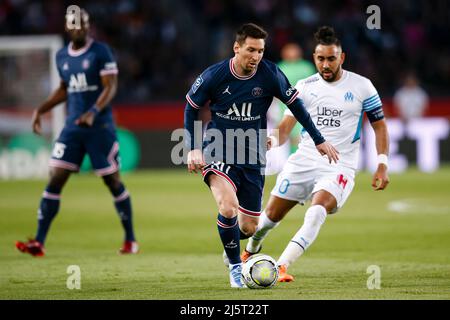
(58, 150)
(220, 166)
(284, 185)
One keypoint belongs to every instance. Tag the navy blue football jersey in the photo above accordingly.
(81, 71)
(240, 102)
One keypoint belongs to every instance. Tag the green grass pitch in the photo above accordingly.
(405, 231)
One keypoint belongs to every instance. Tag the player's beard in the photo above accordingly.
(333, 74)
(79, 42)
(79, 37)
(249, 69)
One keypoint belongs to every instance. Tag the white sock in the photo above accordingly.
(314, 218)
(264, 226)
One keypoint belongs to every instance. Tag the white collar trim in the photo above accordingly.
(75, 53)
(236, 75)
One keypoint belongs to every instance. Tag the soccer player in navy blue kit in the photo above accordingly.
(88, 74)
(240, 91)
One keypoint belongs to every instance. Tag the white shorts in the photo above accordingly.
(302, 177)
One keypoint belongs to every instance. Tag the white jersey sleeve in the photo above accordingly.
(370, 97)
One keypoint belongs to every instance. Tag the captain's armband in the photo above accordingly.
(375, 114)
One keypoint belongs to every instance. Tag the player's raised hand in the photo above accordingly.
(380, 178)
(86, 119)
(36, 122)
(328, 149)
(195, 160)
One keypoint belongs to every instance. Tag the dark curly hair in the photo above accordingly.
(325, 35)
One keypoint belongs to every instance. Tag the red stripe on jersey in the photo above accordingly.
(249, 212)
(292, 99)
(192, 103)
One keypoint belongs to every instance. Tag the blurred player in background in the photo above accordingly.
(336, 100)
(411, 101)
(240, 91)
(295, 68)
(88, 74)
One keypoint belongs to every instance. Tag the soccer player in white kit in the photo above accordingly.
(336, 100)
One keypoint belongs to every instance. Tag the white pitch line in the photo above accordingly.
(413, 206)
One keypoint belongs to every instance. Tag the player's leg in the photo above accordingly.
(227, 224)
(66, 157)
(48, 208)
(247, 225)
(274, 212)
(294, 184)
(103, 149)
(122, 202)
(249, 196)
(329, 194)
(50, 201)
(322, 203)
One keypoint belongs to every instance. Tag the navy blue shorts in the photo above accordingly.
(247, 183)
(100, 143)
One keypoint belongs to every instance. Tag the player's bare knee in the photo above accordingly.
(228, 209)
(248, 228)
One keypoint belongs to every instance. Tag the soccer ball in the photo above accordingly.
(260, 272)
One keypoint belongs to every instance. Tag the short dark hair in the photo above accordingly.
(325, 35)
(250, 30)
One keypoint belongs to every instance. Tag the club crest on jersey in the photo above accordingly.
(198, 82)
(85, 64)
(257, 92)
(65, 66)
(348, 96)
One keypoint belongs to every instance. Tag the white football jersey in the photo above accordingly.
(337, 110)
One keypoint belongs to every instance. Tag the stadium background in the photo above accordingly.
(161, 46)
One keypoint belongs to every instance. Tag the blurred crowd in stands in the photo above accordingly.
(162, 45)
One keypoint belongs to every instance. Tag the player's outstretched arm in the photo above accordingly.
(109, 83)
(57, 96)
(380, 178)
